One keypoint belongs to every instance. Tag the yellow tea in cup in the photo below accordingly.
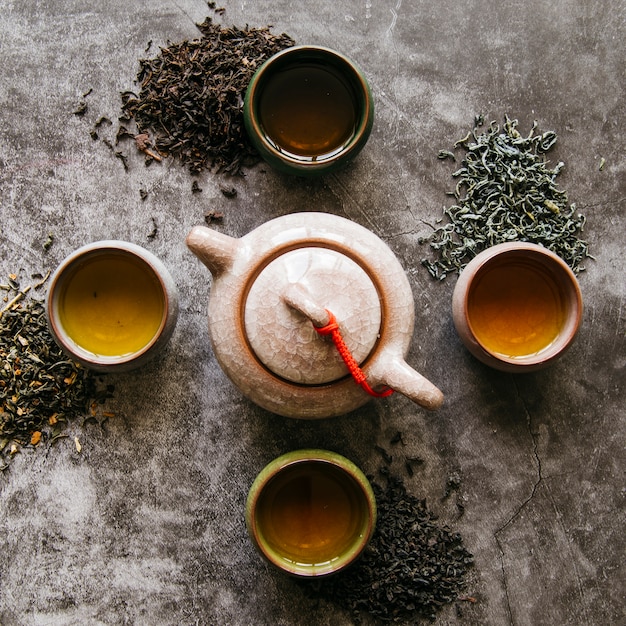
(311, 512)
(111, 304)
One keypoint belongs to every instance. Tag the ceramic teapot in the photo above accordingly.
(275, 288)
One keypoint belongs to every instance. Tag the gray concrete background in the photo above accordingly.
(145, 525)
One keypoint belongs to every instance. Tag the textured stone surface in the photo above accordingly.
(146, 524)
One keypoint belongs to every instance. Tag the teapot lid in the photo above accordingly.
(283, 336)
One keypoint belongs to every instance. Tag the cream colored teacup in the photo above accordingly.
(112, 305)
(517, 306)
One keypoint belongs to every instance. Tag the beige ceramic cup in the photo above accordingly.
(517, 307)
(112, 305)
(311, 512)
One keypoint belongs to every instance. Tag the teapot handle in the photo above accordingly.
(215, 250)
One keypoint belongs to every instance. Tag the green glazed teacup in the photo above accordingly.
(308, 110)
(311, 512)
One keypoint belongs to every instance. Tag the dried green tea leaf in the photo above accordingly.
(506, 190)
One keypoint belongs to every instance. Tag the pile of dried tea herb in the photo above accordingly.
(190, 104)
(411, 568)
(40, 388)
(506, 191)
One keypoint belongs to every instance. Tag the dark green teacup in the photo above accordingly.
(311, 512)
(308, 110)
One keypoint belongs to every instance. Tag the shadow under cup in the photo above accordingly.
(311, 513)
(308, 110)
(111, 305)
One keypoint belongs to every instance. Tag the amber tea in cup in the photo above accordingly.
(111, 304)
(516, 309)
(311, 512)
(308, 110)
(517, 306)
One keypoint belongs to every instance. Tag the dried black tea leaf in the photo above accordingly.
(211, 215)
(155, 230)
(104, 120)
(81, 109)
(123, 158)
(228, 192)
(191, 96)
(411, 568)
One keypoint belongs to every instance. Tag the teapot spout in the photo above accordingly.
(401, 377)
(215, 250)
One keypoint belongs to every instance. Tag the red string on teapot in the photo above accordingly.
(332, 329)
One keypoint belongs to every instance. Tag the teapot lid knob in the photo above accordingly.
(295, 289)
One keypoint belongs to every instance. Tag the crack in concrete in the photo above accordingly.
(523, 505)
(539, 481)
(579, 581)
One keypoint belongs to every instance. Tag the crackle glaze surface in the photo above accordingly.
(285, 340)
(266, 347)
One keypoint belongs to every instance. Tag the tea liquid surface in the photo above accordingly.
(308, 111)
(516, 309)
(111, 305)
(311, 513)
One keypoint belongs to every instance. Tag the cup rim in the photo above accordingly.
(290, 460)
(284, 58)
(91, 250)
(562, 275)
